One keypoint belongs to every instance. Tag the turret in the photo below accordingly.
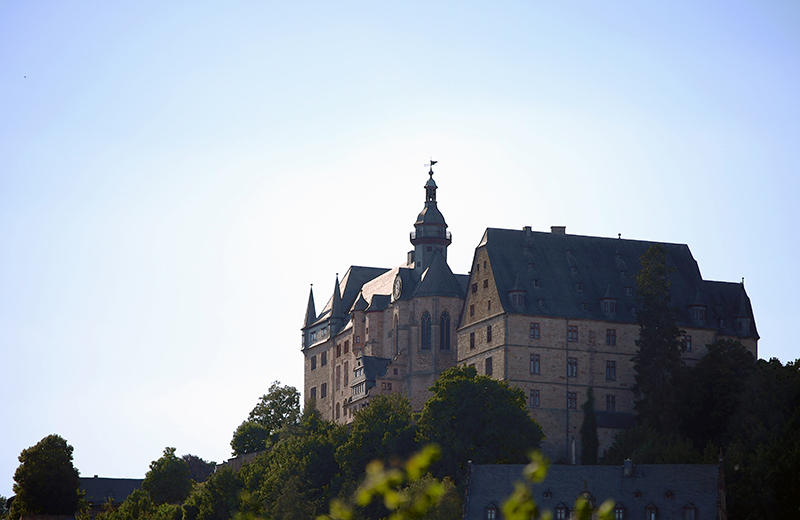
(430, 230)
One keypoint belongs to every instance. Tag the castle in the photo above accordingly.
(552, 313)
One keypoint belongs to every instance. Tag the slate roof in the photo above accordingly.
(100, 490)
(438, 280)
(688, 483)
(576, 272)
(349, 287)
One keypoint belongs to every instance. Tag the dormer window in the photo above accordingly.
(628, 290)
(619, 511)
(609, 305)
(491, 512)
(579, 286)
(651, 512)
(689, 512)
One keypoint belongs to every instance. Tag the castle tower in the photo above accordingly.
(430, 230)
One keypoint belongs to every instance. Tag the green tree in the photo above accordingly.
(277, 409)
(168, 481)
(476, 418)
(589, 441)
(46, 482)
(383, 430)
(216, 499)
(657, 363)
(139, 506)
(646, 445)
(199, 469)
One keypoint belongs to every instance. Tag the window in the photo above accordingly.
(572, 400)
(489, 305)
(358, 338)
(346, 372)
(323, 359)
(471, 340)
(518, 299)
(313, 393)
(535, 398)
(536, 282)
(611, 403)
(561, 511)
(572, 334)
(486, 284)
(609, 306)
(314, 362)
(472, 310)
(337, 410)
(535, 364)
(541, 302)
(338, 350)
(619, 512)
(323, 391)
(579, 286)
(535, 332)
(346, 346)
(395, 371)
(338, 375)
(611, 370)
(699, 313)
(444, 331)
(425, 331)
(475, 287)
(687, 343)
(628, 290)
(611, 337)
(547, 495)
(488, 366)
(572, 367)
(584, 306)
(491, 513)
(689, 512)
(651, 512)
(488, 334)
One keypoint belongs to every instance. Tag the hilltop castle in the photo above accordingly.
(552, 313)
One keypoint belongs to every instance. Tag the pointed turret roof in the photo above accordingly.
(311, 312)
(336, 305)
(438, 280)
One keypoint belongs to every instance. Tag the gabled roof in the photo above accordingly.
(438, 280)
(576, 272)
(101, 490)
(687, 483)
(349, 287)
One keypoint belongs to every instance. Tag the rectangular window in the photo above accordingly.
(572, 367)
(346, 372)
(687, 343)
(489, 334)
(323, 359)
(611, 337)
(346, 346)
(314, 362)
(313, 393)
(338, 350)
(358, 339)
(472, 310)
(572, 334)
(323, 391)
(611, 370)
(488, 366)
(471, 340)
(475, 287)
(338, 376)
(535, 398)
(572, 400)
(486, 284)
(535, 365)
(611, 403)
(535, 333)
(489, 305)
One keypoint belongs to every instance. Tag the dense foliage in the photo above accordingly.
(278, 409)
(46, 482)
(168, 481)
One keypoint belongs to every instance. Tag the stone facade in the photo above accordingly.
(552, 313)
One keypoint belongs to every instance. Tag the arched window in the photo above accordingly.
(425, 331)
(444, 331)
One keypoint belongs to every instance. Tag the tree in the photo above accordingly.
(383, 430)
(589, 441)
(168, 481)
(277, 409)
(46, 482)
(476, 418)
(216, 499)
(199, 469)
(657, 362)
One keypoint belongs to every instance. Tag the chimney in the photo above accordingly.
(558, 230)
(527, 231)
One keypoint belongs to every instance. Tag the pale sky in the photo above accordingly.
(175, 175)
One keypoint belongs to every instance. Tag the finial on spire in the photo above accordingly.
(430, 172)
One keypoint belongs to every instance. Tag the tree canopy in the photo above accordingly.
(657, 363)
(168, 481)
(476, 418)
(46, 482)
(277, 409)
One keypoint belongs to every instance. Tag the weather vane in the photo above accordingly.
(430, 164)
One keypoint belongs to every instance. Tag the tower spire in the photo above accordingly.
(311, 311)
(430, 230)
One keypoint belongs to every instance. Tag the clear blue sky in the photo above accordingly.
(174, 175)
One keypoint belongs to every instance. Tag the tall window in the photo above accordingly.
(323, 359)
(491, 513)
(338, 408)
(535, 364)
(611, 370)
(323, 391)
(534, 334)
(346, 372)
(572, 334)
(488, 366)
(444, 331)
(488, 334)
(425, 340)
(535, 399)
(313, 393)
(687, 343)
(611, 337)
(572, 400)
(314, 362)
(338, 375)
(611, 403)
(471, 340)
(472, 310)
(346, 346)
(619, 512)
(572, 367)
